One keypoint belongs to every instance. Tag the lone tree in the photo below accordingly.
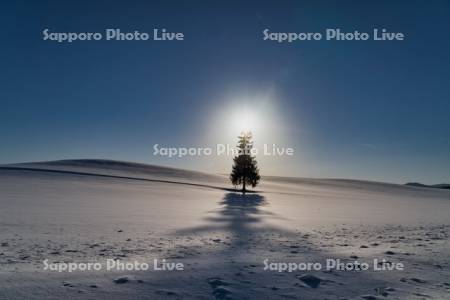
(245, 170)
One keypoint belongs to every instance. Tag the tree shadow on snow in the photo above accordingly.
(239, 217)
(233, 245)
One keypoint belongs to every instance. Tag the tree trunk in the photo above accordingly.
(243, 187)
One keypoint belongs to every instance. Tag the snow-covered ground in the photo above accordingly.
(96, 211)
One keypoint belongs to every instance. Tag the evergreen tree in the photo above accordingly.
(245, 170)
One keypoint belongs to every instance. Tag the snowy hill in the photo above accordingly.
(92, 210)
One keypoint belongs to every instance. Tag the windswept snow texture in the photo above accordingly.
(94, 210)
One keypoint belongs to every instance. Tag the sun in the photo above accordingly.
(257, 114)
(244, 121)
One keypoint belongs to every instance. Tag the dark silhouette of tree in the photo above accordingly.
(245, 170)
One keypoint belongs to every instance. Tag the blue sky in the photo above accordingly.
(367, 110)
